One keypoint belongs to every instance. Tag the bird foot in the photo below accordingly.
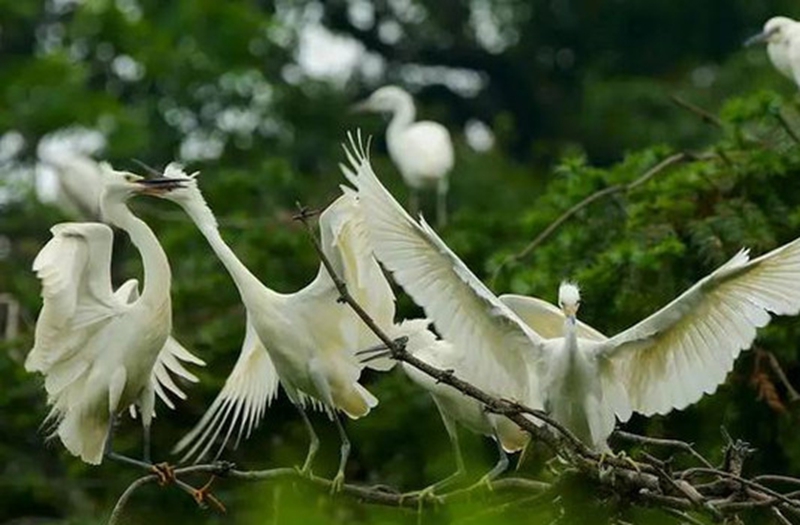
(203, 496)
(426, 494)
(165, 473)
(337, 483)
(485, 483)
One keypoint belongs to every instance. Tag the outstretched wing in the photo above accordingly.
(241, 403)
(74, 268)
(546, 319)
(500, 349)
(686, 349)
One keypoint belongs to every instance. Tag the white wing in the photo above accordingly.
(241, 403)
(546, 319)
(686, 349)
(74, 267)
(170, 358)
(501, 349)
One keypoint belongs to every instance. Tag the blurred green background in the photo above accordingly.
(548, 101)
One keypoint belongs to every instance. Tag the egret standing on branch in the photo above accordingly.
(782, 36)
(102, 350)
(665, 362)
(306, 340)
(422, 151)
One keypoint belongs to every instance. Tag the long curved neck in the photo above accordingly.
(247, 283)
(157, 275)
(402, 116)
(571, 338)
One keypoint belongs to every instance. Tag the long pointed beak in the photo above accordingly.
(360, 107)
(570, 311)
(757, 39)
(159, 186)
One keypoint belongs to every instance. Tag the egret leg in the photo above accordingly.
(413, 202)
(500, 467)
(109, 450)
(313, 443)
(441, 202)
(344, 454)
(147, 403)
(452, 432)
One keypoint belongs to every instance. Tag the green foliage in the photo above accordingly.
(204, 63)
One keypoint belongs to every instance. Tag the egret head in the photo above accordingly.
(569, 299)
(776, 30)
(384, 100)
(121, 185)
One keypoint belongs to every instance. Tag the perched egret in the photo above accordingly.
(422, 151)
(782, 36)
(102, 350)
(305, 340)
(665, 362)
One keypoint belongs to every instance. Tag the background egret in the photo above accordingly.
(422, 150)
(782, 36)
(667, 361)
(102, 350)
(305, 340)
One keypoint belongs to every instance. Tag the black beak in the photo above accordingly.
(757, 39)
(160, 186)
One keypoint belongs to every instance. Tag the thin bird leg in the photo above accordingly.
(430, 491)
(147, 403)
(499, 468)
(441, 202)
(413, 202)
(313, 443)
(110, 454)
(338, 480)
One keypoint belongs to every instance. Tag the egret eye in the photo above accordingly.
(130, 178)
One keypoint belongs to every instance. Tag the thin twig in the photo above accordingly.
(776, 367)
(611, 190)
(704, 115)
(661, 442)
(684, 517)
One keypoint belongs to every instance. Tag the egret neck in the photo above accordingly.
(157, 275)
(250, 288)
(403, 115)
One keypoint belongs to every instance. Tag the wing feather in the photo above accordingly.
(240, 405)
(500, 349)
(686, 349)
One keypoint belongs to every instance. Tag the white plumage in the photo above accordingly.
(422, 151)
(305, 340)
(526, 349)
(782, 36)
(102, 350)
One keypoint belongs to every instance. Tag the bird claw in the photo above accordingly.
(337, 482)
(165, 473)
(203, 496)
(485, 482)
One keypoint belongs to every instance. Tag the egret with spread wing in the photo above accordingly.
(665, 362)
(305, 340)
(422, 150)
(782, 36)
(102, 350)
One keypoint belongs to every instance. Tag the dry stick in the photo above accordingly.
(776, 367)
(661, 442)
(652, 172)
(749, 483)
(683, 516)
(704, 115)
(786, 126)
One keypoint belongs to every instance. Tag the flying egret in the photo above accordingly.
(305, 340)
(665, 362)
(782, 36)
(422, 151)
(102, 350)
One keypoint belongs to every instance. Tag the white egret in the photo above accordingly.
(422, 150)
(102, 350)
(782, 36)
(305, 340)
(665, 362)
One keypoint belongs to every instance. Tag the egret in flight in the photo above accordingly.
(667, 361)
(305, 340)
(102, 350)
(782, 36)
(422, 150)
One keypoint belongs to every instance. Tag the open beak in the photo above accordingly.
(757, 39)
(159, 186)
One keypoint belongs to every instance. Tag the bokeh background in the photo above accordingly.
(548, 102)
